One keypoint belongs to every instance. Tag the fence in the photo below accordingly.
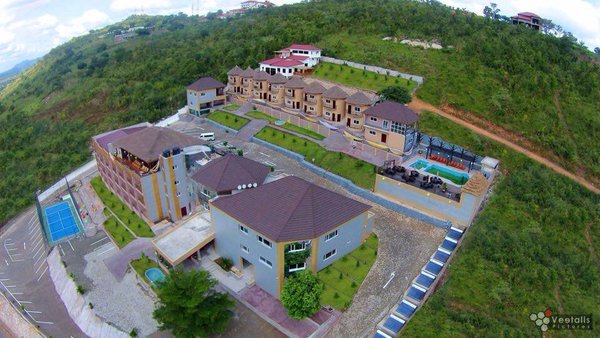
(369, 195)
(379, 70)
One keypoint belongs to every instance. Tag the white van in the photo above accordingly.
(207, 136)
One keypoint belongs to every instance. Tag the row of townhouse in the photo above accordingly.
(387, 124)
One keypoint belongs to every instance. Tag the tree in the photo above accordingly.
(396, 93)
(188, 305)
(491, 11)
(301, 294)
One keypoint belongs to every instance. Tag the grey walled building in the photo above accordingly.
(267, 228)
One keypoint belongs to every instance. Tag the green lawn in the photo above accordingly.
(112, 201)
(228, 119)
(118, 232)
(258, 115)
(142, 264)
(359, 78)
(289, 126)
(353, 269)
(232, 107)
(535, 245)
(360, 172)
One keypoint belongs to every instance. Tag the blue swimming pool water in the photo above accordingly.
(455, 176)
(61, 221)
(155, 275)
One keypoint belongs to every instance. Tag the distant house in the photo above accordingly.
(227, 175)
(251, 4)
(205, 94)
(258, 228)
(145, 166)
(392, 125)
(124, 37)
(528, 19)
(294, 59)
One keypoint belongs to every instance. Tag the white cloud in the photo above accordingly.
(122, 5)
(90, 19)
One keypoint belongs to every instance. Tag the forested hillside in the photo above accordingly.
(541, 87)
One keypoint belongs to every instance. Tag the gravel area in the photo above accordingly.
(405, 244)
(123, 303)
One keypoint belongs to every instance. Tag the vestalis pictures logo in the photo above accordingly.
(550, 321)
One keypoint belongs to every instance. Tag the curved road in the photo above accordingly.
(419, 105)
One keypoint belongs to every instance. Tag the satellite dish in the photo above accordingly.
(244, 186)
(249, 185)
(255, 185)
(239, 187)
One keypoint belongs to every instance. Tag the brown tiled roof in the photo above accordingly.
(359, 98)
(235, 71)
(112, 136)
(248, 72)
(291, 209)
(261, 76)
(277, 78)
(335, 92)
(148, 143)
(295, 82)
(205, 83)
(476, 185)
(315, 88)
(229, 171)
(393, 111)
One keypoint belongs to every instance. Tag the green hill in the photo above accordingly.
(544, 89)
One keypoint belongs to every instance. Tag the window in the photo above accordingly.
(264, 241)
(327, 113)
(357, 109)
(296, 267)
(372, 132)
(327, 101)
(176, 182)
(329, 254)
(298, 246)
(244, 248)
(311, 96)
(243, 229)
(178, 193)
(374, 119)
(331, 235)
(265, 261)
(385, 124)
(398, 128)
(175, 167)
(312, 108)
(202, 94)
(356, 121)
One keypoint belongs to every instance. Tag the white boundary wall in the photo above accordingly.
(379, 70)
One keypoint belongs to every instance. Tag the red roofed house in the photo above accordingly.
(528, 19)
(291, 60)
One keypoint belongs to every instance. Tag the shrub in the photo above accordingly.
(133, 332)
(91, 305)
(240, 152)
(305, 143)
(353, 284)
(357, 263)
(345, 259)
(341, 276)
(336, 295)
(235, 120)
(226, 117)
(80, 289)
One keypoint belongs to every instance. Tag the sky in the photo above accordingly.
(31, 28)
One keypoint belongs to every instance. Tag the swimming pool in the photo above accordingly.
(155, 275)
(456, 177)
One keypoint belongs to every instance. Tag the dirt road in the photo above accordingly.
(419, 105)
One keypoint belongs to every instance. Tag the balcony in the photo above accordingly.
(289, 93)
(331, 104)
(307, 98)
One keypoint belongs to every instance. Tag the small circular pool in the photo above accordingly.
(155, 275)
(279, 122)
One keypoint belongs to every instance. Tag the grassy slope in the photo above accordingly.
(292, 127)
(359, 78)
(228, 119)
(358, 171)
(536, 244)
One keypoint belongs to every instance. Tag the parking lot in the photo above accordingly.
(24, 277)
(405, 244)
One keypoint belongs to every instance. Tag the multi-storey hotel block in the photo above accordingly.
(145, 166)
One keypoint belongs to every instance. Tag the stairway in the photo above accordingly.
(249, 130)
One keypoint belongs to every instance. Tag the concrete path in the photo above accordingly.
(118, 263)
(249, 130)
(419, 105)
